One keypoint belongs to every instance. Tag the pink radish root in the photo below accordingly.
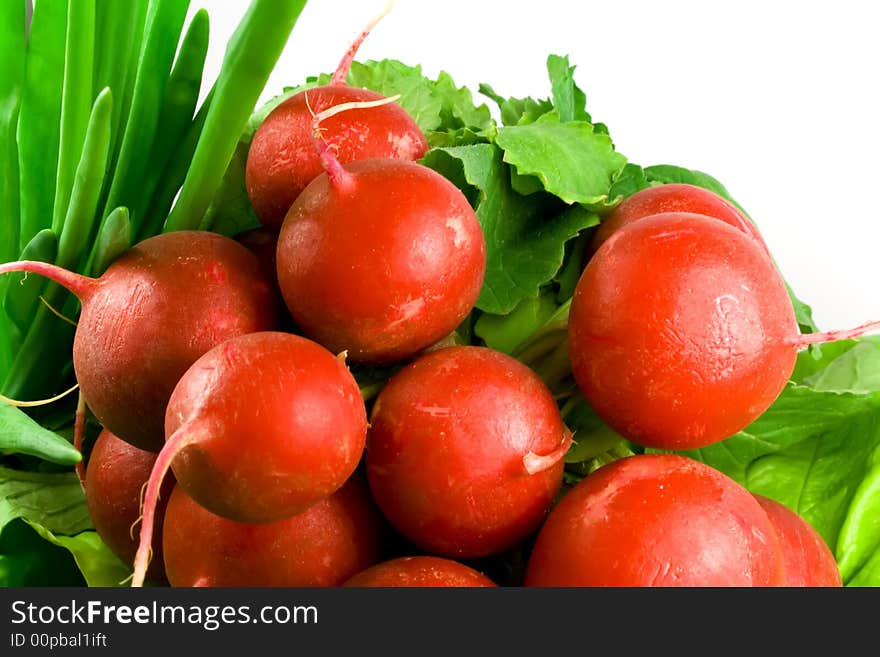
(79, 431)
(188, 434)
(830, 336)
(535, 463)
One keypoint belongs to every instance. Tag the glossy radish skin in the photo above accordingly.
(451, 437)
(382, 263)
(681, 332)
(323, 546)
(806, 557)
(282, 159)
(656, 520)
(271, 422)
(673, 197)
(156, 309)
(421, 571)
(115, 478)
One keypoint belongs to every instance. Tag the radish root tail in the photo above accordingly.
(807, 339)
(79, 432)
(187, 435)
(55, 312)
(38, 402)
(535, 463)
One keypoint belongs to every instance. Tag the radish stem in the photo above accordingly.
(339, 177)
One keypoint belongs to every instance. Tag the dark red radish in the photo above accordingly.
(420, 571)
(381, 259)
(465, 451)
(322, 546)
(681, 331)
(656, 520)
(156, 309)
(114, 482)
(674, 197)
(259, 429)
(282, 160)
(263, 243)
(806, 557)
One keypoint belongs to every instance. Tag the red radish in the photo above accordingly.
(681, 332)
(282, 160)
(422, 571)
(156, 309)
(656, 520)
(806, 557)
(114, 481)
(465, 451)
(259, 429)
(673, 197)
(322, 546)
(381, 258)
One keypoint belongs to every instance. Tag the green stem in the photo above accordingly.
(164, 24)
(40, 117)
(76, 101)
(181, 98)
(250, 57)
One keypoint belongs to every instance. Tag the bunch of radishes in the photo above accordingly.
(680, 334)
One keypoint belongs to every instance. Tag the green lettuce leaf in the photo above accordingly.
(572, 161)
(21, 434)
(525, 235)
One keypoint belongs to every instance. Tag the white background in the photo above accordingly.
(778, 99)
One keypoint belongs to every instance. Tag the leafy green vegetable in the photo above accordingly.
(54, 507)
(507, 332)
(20, 434)
(857, 370)
(98, 565)
(525, 235)
(27, 559)
(54, 501)
(858, 545)
(571, 160)
(568, 99)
